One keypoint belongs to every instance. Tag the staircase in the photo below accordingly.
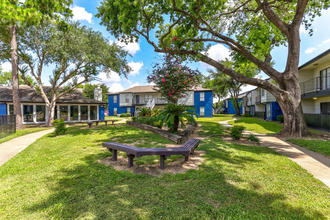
(150, 104)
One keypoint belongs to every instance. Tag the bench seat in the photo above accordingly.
(186, 149)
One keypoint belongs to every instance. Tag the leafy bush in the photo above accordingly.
(125, 115)
(128, 114)
(280, 118)
(253, 138)
(236, 132)
(248, 115)
(60, 127)
(144, 111)
(158, 124)
(134, 119)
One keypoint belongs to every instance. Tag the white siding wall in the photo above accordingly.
(189, 101)
(260, 108)
(267, 97)
(308, 106)
(122, 99)
(311, 73)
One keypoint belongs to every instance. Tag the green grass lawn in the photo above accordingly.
(21, 133)
(60, 178)
(320, 146)
(258, 126)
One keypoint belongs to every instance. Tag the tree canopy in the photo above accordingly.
(6, 79)
(88, 91)
(250, 28)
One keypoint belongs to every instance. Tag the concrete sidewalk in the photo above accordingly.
(12, 147)
(315, 163)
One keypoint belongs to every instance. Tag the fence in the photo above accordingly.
(318, 121)
(7, 125)
(260, 115)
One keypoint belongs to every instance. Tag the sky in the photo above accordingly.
(143, 56)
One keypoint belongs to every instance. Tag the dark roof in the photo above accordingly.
(27, 94)
(149, 89)
(314, 59)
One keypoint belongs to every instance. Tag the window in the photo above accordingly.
(325, 108)
(201, 96)
(41, 113)
(74, 113)
(114, 111)
(128, 110)
(64, 112)
(147, 97)
(268, 111)
(202, 111)
(115, 99)
(27, 113)
(127, 98)
(93, 112)
(83, 113)
(263, 92)
(11, 109)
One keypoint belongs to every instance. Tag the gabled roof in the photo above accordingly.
(27, 94)
(149, 89)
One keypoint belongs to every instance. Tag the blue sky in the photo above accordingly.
(143, 55)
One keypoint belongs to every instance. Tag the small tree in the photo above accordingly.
(88, 91)
(173, 79)
(77, 53)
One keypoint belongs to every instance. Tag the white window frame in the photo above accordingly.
(128, 110)
(115, 99)
(202, 96)
(200, 111)
(115, 111)
(127, 98)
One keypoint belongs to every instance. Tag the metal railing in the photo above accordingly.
(316, 84)
(142, 101)
(318, 121)
(7, 125)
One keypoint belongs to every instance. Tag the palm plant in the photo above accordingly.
(144, 111)
(155, 112)
(173, 114)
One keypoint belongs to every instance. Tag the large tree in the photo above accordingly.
(14, 14)
(77, 54)
(251, 28)
(222, 81)
(6, 79)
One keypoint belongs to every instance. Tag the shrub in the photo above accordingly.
(248, 115)
(158, 124)
(134, 119)
(128, 114)
(253, 138)
(236, 132)
(60, 127)
(280, 118)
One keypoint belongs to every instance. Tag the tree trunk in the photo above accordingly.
(238, 112)
(294, 122)
(51, 112)
(15, 83)
(176, 123)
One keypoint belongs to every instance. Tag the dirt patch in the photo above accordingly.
(178, 166)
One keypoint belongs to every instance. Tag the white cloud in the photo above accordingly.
(310, 50)
(135, 67)
(134, 84)
(217, 52)
(132, 48)
(6, 67)
(326, 41)
(80, 13)
(152, 84)
(109, 78)
(116, 87)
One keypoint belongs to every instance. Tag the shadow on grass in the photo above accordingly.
(92, 190)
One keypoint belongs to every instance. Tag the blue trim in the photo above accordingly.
(3, 109)
(207, 103)
(275, 111)
(231, 109)
(116, 105)
(101, 112)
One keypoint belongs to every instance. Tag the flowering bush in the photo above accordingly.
(173, 79)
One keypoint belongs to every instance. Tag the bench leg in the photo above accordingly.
(162, 162)
(130, 160)
(186, 158)
(106, 123)
(89, 126)
(97, 124)
(114, 155)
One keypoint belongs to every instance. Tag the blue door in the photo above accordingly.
(3, 109)
(137, 99)
(101, 112)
